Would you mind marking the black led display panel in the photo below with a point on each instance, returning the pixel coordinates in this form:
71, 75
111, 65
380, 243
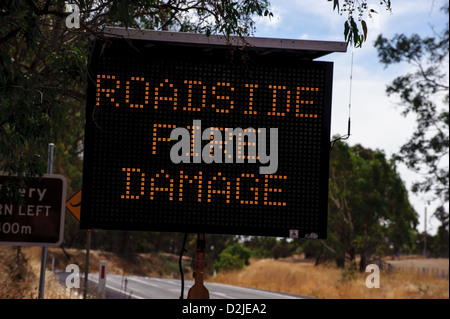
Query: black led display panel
140, 92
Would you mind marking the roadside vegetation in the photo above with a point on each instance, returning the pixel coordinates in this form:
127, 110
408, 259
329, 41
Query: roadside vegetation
296, 275
408, 277
19, 277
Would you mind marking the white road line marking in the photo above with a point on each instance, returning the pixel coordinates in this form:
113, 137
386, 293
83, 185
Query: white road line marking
144, 282
95, 280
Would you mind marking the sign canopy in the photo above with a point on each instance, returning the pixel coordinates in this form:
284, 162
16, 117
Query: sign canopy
207, 134
36, 216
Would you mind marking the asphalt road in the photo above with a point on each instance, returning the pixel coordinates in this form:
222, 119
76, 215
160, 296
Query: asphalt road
137, 287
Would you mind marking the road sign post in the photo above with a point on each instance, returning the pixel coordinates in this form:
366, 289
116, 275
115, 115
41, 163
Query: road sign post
86, 268
198, 290
73, 205
51, 149
102, 279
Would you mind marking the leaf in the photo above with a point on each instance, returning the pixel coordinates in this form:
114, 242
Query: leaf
336, 4
364, 27
355, 32
346, 30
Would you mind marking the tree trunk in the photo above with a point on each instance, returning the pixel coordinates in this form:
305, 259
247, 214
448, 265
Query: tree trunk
340, 261
363, 262
351, 252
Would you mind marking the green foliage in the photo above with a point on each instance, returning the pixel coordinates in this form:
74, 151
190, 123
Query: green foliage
424, 92
437, 245
169, 266
267, 247
349, 273
234, 256
43, 68
441, 240
40, 82
282, 249
369, 212
260, 246
352, 32
43, 77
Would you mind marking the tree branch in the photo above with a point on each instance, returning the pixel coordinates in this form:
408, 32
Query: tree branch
11, 34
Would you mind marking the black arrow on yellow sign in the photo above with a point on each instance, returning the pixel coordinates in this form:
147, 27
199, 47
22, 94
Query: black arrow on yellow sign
73, 205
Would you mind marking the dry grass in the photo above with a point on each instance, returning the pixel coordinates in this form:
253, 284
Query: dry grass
148, 264
20, 269
19, 277
297, 276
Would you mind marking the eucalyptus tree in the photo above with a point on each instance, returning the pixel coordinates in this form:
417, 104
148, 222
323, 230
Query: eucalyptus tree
424, 93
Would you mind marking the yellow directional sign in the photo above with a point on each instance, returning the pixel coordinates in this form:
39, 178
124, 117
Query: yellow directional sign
73, 205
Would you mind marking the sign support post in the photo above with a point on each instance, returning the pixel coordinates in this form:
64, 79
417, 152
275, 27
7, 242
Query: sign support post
86, 268
51, 148
198, 290
73, 205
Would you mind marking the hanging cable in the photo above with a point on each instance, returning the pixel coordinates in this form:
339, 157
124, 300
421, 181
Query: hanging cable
344, 137
181, 266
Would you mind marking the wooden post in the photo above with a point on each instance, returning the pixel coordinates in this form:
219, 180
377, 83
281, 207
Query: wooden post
198, 290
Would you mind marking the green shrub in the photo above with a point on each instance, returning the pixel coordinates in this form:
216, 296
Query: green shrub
233, 257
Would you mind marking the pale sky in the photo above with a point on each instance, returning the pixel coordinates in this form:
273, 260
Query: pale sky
376, 120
